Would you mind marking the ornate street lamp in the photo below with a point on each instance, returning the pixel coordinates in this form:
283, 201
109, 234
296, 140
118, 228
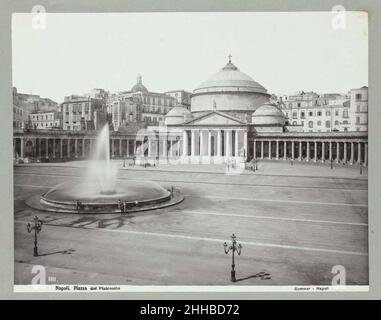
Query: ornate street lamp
234, 247
37, 228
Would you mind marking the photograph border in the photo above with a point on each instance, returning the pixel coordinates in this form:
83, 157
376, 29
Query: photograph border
6, 173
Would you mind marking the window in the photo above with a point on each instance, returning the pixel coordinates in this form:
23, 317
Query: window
328, 124
328, 113
319, 113
358, 108
357, 120
294, 123
345, 113
358, 96
294, 115
336, 122
310, 124
319, 123
302, 115
310, 113
345, 122
290, 105
336, 112
298, 104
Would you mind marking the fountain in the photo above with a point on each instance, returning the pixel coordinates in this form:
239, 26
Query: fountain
100, 191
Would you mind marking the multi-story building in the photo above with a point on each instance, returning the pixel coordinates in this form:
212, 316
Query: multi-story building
140, 105
182, 97
46, 120
321, 113
358, 109
83, 113
25, 104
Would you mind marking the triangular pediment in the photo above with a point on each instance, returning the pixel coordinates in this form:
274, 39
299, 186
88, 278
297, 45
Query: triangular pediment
215, 118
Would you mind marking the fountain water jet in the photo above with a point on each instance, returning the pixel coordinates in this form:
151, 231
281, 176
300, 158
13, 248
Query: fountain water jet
100, 190
101, 171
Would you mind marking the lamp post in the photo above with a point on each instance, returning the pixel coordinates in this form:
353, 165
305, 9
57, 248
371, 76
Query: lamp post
234, 247
37, 228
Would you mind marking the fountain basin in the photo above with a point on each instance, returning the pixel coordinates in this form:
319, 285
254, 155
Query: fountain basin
74, 197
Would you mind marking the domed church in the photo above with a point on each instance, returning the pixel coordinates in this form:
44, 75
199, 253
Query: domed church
224, 110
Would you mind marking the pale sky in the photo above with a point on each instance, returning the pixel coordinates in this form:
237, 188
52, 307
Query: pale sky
285, 52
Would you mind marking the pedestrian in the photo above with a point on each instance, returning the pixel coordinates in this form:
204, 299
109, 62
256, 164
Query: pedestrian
120, 206
125, 206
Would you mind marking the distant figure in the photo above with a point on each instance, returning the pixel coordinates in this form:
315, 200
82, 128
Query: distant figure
120, 205
172, 191
78, 205
125, 206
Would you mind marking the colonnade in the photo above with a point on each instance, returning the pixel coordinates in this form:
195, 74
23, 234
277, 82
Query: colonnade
213, 145
199, 146
342, 151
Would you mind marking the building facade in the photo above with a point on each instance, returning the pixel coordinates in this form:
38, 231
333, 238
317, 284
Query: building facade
83, 113
140, 105
46, 120
327, 112
182, 97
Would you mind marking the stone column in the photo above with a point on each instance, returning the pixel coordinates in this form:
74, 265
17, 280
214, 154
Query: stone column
47, 148
113, 147
192, 143
300, 150
277, 150
270, 147
345, 153
359, 152
285, 150
134, 153
39, 147
323, 151
21, 147
308, 151
227, 143
75, 148
337, 152
236, 154
128, 148
255, 149
120, 147
292, 150
315, 151
366, 154
165, 146
201, 144
262, 149
185, 143
245, 151
330, 151
61, 148
83, 147
54, 148
219, 143
209, 143
352, 153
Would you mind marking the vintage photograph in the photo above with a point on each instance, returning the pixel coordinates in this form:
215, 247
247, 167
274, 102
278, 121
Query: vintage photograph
225, 149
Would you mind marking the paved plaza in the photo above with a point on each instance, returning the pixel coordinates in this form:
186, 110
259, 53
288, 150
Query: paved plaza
295, 222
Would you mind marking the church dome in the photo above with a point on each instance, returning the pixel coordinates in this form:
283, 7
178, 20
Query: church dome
229, 78
177, 115
139, 87
230, 91
268, 114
